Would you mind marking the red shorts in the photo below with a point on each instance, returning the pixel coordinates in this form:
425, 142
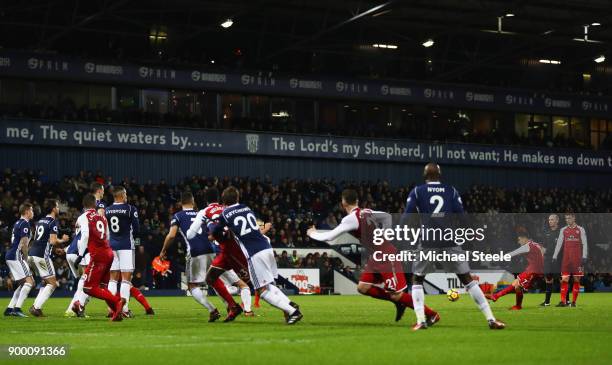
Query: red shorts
527, 278
98, 270
389, 274
572, 265
230, 262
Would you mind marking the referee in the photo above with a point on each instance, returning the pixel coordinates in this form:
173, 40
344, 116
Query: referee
549, 240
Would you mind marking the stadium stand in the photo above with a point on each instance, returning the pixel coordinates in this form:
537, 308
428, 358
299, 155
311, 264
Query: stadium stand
459, 132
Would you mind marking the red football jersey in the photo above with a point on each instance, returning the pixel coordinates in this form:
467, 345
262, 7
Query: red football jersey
227, 246
97, 228
572, 241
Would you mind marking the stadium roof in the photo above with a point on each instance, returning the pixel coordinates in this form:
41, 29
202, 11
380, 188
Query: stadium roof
496, 42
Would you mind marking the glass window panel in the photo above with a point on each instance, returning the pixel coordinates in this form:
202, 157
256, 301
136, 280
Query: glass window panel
560, 127
595, 139
578, 130
521, 124
231, 108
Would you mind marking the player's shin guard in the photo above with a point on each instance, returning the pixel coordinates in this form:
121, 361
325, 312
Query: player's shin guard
245, 298
43, 295
137, 294
124, 291
277, 299
575, 290
201, 298
479, 298
564, 289
23, 294
418, 299
16, 293
221, 289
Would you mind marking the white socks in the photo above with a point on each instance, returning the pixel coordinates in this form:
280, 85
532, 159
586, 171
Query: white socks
277, 299
480, 300
125, 293
13, 301
201, 297
23, 294
43, 295
418, 300
245, 298
81, 296
112, 286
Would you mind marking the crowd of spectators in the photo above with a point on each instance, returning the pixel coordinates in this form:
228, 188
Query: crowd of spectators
291, 205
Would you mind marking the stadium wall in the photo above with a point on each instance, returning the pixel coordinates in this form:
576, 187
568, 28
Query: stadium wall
146, 165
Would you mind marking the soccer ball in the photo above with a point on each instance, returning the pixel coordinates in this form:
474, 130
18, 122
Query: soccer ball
452, 295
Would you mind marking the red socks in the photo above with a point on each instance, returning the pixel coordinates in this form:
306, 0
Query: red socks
406, 299
507, 290
256, 299
104, 294
519, 297
575, 289
223, 293
564, 287
137, 294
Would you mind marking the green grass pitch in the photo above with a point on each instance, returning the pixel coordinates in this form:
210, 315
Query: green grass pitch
335, 330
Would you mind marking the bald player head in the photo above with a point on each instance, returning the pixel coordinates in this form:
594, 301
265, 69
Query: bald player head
432, 172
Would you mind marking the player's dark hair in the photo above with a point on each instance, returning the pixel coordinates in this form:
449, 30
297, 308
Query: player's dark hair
118, 190
522, 232
187, 198
212, 195
349, 196
23, 208
95, 186
230, 195
89, 201
50, 204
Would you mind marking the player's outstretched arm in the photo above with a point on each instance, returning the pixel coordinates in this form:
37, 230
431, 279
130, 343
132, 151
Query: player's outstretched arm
196, 225
519, 251
348, 223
